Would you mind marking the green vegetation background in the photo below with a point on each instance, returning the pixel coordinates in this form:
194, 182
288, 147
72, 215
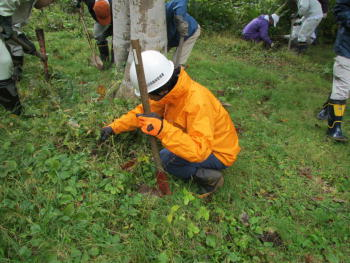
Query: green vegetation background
65, 199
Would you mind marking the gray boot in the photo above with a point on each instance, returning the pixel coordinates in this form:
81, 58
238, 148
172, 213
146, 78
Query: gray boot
209, 181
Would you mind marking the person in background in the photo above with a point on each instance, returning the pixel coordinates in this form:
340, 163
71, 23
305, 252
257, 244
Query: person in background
334, 108
13, 15
310, 12
101, 12
181, 24
197, 133
257, 30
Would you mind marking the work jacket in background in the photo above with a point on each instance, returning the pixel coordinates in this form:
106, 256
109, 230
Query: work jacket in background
19, 10
257, 30
178, 8
90, 4
342, 15
195, 123
309, 8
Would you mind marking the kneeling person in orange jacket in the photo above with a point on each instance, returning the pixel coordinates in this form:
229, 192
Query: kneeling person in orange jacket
197, 133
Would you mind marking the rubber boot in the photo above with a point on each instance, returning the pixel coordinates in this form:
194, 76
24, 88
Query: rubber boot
9, 97
104, 51
336, 109
301, 48
17, 67
209, 181
323, 114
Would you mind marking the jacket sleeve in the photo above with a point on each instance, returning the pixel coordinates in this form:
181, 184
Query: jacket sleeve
303, 7
264, 34
129, 121
8, 7
194, 144
342, 13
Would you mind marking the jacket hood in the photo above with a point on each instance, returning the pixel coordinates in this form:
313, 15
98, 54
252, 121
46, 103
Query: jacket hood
179, 90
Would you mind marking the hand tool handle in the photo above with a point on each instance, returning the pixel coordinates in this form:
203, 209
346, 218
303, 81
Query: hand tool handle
161, 176
41, 39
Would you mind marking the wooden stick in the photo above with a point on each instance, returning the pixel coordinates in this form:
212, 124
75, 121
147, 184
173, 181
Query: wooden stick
162, 183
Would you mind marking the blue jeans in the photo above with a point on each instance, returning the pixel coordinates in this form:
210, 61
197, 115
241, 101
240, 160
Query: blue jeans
183, 169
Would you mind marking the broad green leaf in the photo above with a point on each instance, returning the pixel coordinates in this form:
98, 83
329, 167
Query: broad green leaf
211, 241
203, 212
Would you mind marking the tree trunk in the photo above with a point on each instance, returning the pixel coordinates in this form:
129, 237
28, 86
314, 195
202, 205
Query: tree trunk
121, 32
148, 24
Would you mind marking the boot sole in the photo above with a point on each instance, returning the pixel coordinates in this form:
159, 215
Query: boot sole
219, 184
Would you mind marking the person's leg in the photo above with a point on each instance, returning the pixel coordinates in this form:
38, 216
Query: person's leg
307, 29
100, 34
337, 101
8, 92
184, 169
206, 174
188, 46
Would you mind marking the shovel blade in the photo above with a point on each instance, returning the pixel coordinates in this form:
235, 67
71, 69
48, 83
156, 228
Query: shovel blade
163, 184
96, 62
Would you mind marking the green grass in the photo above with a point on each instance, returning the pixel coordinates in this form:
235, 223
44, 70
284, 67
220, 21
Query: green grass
65, 199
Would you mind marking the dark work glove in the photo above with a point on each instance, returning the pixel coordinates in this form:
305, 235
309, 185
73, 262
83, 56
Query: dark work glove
6, 25
181, 26
105, 133
31, 47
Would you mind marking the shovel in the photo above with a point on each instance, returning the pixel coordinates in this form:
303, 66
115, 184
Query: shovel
41, 39
161, 176
94, 60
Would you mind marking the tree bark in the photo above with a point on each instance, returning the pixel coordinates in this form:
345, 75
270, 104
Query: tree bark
147, 23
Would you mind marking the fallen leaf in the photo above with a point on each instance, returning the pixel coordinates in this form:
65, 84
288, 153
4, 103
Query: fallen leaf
101, 90
129, 164
305, 171
317, 198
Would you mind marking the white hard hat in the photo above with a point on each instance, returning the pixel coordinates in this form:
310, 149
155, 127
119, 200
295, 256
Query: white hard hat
275, 18
158, 70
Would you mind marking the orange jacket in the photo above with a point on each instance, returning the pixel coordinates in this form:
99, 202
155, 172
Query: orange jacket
195, 123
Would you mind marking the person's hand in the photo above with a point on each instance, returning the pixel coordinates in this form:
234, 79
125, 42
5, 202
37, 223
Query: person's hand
6, 31
105, 133
30, 49
151, 123
181, 26
272, 45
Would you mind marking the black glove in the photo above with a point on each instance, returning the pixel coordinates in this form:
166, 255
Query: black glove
105, 133
181, 26
31, 47
6, 25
